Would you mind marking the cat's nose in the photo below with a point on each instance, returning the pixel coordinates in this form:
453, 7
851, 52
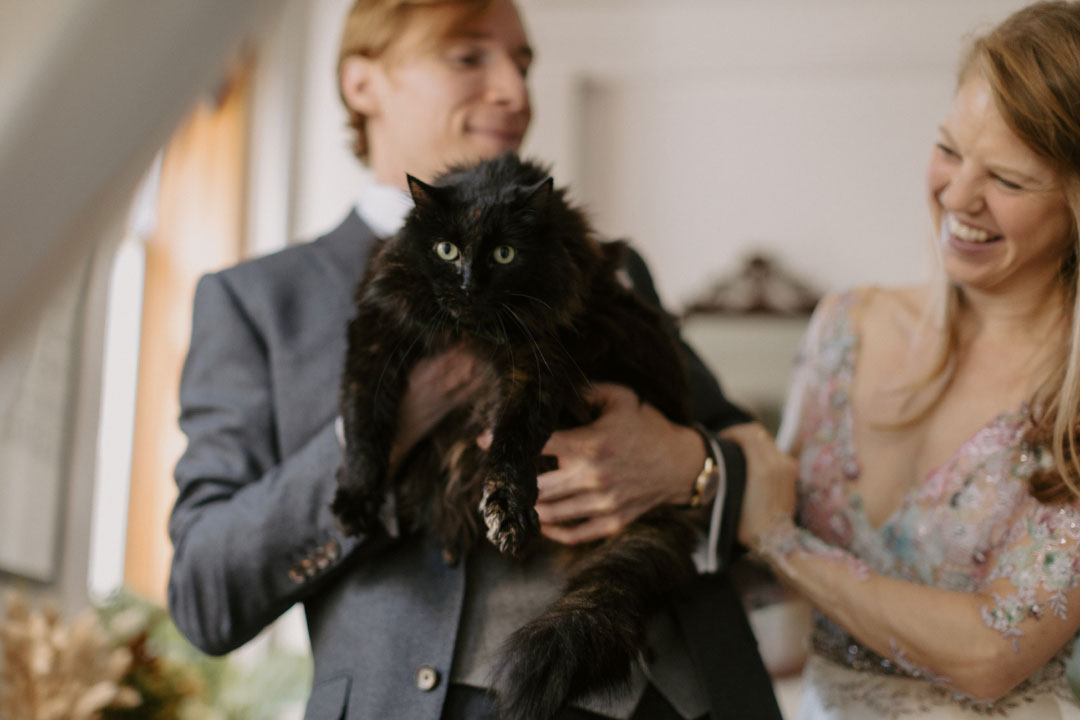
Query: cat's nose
466, 279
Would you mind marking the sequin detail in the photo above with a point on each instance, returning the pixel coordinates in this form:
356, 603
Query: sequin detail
1042, 563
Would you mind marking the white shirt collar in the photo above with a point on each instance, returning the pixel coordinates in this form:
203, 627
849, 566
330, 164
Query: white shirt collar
382, 207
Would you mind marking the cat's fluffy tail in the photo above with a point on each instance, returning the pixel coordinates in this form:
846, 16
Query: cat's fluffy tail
588, 638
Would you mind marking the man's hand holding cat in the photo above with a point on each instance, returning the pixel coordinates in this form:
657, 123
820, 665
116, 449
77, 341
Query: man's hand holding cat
626, 462
437, 385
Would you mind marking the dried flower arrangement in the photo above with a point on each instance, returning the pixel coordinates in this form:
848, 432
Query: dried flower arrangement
53, 671
125, 660
171, 679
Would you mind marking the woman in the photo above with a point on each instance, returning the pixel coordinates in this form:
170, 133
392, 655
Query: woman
935, 427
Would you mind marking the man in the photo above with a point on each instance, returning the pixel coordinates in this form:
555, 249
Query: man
395, 632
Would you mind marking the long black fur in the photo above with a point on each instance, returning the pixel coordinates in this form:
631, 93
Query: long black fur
546, 324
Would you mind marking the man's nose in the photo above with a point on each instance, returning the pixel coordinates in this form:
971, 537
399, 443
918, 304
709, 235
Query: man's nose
507, 86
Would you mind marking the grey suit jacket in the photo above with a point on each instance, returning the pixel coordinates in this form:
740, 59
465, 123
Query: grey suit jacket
253, 534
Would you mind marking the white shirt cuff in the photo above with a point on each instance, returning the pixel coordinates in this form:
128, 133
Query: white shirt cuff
705, 555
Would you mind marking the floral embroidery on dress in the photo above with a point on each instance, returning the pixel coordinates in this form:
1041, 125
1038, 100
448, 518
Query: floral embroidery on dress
969, 523
1050, 562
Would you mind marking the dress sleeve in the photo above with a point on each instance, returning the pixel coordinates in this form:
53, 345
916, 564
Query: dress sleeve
815, 361
1030, 599
1034, 578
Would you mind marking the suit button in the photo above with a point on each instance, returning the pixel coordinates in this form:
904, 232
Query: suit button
427, 678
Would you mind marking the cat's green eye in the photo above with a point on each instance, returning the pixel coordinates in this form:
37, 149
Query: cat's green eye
504, 254
447, 251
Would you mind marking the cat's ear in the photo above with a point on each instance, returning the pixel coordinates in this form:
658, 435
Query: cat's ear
423, 195
539, 195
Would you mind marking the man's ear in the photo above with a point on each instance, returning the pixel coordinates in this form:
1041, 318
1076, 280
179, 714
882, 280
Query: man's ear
356, 82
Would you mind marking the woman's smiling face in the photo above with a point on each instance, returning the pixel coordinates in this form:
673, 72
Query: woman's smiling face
1003, 218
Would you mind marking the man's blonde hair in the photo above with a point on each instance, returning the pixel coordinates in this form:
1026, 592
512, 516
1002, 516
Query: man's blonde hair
372, 27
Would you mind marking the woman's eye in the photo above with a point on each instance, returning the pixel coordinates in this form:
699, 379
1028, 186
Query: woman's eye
448, 251
1007, 184
504, 254
947, 150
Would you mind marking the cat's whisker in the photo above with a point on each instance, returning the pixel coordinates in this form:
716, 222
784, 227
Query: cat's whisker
532, 339
538, 355
446, 321
505, 332
506, 337
386, 366
441, 320
585, 378
432, 333
539, 376
530, 297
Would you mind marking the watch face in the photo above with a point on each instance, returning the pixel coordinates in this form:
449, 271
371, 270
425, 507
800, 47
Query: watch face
705, 483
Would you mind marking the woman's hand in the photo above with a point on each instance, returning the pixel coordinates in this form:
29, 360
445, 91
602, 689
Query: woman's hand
611, 471
770, 482
436, 386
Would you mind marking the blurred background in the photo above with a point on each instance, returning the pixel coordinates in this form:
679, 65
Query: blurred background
145, 143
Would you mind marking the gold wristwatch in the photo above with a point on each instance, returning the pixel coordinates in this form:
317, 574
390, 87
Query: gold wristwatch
708, 480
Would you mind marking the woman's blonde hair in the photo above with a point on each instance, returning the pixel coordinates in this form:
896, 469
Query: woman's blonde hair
372, 26
1031, 62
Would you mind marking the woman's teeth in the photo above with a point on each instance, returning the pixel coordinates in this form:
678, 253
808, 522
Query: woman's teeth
966, 232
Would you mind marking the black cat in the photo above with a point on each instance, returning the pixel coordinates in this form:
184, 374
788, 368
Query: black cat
495, 257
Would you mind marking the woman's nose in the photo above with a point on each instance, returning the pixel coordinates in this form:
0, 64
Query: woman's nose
963, 192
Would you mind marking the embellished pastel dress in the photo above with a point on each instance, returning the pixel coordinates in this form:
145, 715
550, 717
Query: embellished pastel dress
969, 523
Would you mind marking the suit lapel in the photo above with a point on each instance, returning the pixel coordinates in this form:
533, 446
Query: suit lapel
344, 255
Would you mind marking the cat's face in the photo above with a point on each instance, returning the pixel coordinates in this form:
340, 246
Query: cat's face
492, 260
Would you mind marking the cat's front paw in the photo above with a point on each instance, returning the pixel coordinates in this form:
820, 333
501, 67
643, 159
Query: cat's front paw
356, 511
511, 521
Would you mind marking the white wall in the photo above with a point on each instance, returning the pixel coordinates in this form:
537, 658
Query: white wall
88, 93
703, 129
